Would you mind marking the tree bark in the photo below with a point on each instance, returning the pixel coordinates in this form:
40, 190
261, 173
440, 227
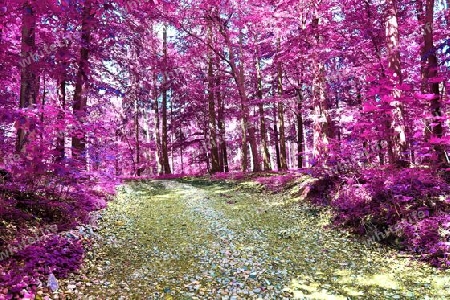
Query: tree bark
300, 140
275, 134
137, 136
430, 71
61, 139
262, 118
249, 126
165, 156
158, 153
181, 150
221, 121
212, 124
29, 86
322, 123
246, 127
80, 97
282, 138
397, 143
447, 12
157, 124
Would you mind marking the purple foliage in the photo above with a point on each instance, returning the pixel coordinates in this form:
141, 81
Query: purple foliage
408, 199
30, 266
35, 199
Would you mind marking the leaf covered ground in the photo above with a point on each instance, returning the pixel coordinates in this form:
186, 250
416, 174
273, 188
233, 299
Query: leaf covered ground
197, 239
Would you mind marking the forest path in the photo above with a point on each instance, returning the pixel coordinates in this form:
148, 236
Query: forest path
204, 240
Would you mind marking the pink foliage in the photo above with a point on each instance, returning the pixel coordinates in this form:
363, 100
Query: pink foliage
409, 200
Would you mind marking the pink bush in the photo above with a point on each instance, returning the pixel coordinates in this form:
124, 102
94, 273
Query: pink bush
408, 199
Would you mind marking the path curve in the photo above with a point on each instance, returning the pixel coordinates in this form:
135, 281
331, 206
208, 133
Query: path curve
203, 240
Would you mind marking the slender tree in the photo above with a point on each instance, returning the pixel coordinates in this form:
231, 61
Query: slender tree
80, 93
29, 84
164, 139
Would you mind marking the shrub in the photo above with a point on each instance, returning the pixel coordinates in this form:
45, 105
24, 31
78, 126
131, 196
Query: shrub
33, 264
411, 200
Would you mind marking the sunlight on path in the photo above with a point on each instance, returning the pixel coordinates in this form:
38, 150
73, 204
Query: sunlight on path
199, 240
240, 268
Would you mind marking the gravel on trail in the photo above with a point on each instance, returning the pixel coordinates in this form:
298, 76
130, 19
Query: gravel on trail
205, 240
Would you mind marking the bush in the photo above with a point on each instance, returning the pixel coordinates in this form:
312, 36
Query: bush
410, 200
33, 264
46, 194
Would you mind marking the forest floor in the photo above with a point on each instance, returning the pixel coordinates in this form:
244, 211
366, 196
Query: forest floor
197, 239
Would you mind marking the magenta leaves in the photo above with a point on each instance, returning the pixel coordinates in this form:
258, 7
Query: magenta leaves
33, 264
409, 200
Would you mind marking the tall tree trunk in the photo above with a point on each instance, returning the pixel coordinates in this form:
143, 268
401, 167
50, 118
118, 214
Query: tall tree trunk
212, 124
172, 139
300, 141
322, 122
2, 4
246, 126
43, 102
116, 156
155, 106
137, 136
447, 12
80, 97
425, 28
397, 143
262, 118
158, 153
181, 149
275, 134
221, 121
430, 71
300, 132
165, 155
61, 139
281, 120
29, 86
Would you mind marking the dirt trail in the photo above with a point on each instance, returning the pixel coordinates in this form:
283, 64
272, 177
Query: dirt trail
203, 240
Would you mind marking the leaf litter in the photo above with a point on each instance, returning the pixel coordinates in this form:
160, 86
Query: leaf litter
180, 240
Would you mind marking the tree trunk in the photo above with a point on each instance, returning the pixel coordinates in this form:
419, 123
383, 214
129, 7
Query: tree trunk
397, 144
61, 139
116, 157
429, 69
181, 150
447, 12
29, 86
158, 153
275, 134
43, 102
300, 141
137, 133
262, 118
212, 124
221, 121
322, 122
246, 127
80, 97
282, 139
165, 155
